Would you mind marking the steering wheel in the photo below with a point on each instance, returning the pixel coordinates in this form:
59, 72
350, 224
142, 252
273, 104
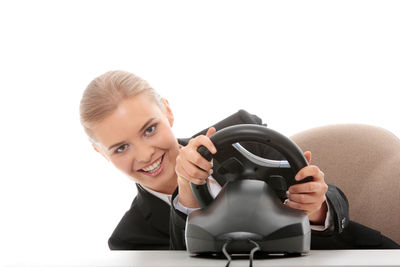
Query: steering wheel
233, 161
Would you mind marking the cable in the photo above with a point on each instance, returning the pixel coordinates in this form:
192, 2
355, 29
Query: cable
226, 253
253, 251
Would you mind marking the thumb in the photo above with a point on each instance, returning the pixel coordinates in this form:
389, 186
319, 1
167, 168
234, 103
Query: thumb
307, 155
210, 131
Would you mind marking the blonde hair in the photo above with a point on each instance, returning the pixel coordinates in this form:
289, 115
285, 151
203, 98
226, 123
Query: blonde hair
103, 95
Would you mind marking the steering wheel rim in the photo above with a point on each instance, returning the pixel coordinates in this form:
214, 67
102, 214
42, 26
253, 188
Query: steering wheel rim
250, 133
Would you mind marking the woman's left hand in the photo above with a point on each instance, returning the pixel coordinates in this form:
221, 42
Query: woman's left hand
309, 196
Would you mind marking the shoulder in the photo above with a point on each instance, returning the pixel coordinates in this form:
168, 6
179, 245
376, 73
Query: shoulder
239, 117
143, 225
140, 210
132, 221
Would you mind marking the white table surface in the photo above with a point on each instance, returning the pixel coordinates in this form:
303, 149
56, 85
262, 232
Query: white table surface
315, 258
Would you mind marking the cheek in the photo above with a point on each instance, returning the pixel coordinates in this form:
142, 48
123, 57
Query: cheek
122, 163
165, 139
168, 142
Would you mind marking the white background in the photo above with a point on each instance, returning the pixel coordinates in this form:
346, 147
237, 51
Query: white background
296, 64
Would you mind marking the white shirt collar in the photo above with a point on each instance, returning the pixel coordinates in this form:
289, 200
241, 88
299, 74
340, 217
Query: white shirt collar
165, 197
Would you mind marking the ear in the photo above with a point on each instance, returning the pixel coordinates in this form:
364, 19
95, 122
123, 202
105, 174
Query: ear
168, 111
99, 150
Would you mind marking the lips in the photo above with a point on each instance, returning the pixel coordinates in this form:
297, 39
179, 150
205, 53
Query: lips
154, 168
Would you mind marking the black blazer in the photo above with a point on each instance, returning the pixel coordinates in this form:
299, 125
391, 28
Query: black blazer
145, 226
150, 223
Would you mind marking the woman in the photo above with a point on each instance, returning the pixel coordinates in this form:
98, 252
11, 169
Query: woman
130, 125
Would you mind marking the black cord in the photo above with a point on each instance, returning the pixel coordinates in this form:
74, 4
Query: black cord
226, 253
257, 247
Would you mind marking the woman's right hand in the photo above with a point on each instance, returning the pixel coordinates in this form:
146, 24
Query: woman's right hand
192, 167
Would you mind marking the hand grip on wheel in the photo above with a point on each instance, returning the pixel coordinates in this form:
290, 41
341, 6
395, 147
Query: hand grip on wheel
205, 153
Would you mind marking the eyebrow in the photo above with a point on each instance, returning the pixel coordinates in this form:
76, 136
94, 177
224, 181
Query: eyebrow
141, 129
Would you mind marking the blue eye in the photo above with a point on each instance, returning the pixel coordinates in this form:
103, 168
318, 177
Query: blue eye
150, 130
121, 148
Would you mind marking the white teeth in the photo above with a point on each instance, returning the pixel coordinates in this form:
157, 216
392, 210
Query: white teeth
154, 166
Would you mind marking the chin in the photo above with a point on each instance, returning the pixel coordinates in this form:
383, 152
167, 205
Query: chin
161, 183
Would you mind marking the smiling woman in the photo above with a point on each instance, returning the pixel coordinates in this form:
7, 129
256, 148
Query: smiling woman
295, 64
130, 125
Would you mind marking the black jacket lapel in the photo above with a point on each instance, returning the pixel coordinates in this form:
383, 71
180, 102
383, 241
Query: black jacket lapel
155, 211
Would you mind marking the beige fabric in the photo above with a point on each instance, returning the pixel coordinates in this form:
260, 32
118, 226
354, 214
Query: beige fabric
364, 162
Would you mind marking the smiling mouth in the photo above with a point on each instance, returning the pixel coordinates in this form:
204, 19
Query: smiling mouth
154, 168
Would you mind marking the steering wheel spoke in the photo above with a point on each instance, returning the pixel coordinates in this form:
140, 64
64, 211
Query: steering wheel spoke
234, 161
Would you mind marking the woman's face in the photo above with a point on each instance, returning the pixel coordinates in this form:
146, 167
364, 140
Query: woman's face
137, 138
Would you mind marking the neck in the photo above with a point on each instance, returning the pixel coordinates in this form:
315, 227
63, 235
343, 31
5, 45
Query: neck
168, 188
172, 185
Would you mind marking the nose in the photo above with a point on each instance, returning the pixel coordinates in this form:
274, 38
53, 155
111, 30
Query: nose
144, 153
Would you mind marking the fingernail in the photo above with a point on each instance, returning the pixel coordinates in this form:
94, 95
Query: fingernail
210, 171
287, 193
297, 177
286, 201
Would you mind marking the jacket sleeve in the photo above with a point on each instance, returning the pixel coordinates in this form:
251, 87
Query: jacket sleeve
177, 227
338, 201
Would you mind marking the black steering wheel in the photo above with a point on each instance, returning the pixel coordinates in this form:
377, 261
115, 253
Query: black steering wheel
236, 162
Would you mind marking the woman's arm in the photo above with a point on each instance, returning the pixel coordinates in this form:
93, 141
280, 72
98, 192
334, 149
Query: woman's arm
191, 167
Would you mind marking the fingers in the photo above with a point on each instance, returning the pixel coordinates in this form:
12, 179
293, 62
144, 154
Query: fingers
306, 201
190, 165
303, 198
191, 155
210, 131
309, 187
307, 207
307, 155
309, 196
191, 172
312, 171
204, 140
